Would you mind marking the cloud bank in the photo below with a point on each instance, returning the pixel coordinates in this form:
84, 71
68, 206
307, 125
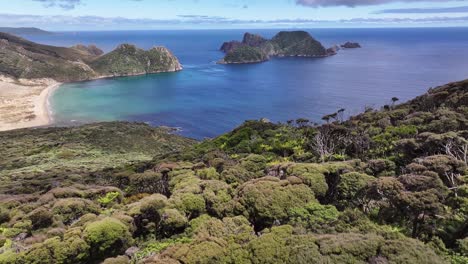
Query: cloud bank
189, 21
354, 3
436, 10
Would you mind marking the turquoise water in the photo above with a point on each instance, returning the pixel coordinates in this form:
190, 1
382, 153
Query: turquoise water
207, 99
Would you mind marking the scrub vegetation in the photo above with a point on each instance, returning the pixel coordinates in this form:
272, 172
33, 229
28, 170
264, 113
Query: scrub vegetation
385, 186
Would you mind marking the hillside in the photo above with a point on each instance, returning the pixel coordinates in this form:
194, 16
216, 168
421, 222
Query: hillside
283, 44
24, 31
20, 58
386, 186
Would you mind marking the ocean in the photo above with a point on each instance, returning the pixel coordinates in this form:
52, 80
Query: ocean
206, 99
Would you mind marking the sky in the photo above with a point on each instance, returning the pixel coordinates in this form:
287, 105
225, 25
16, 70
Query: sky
72, 15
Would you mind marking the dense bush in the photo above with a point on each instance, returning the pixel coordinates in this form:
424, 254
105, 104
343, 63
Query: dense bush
107, 237
385, 186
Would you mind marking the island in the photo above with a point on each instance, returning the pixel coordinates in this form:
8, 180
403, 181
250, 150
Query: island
255, 48
351, 45
29, 72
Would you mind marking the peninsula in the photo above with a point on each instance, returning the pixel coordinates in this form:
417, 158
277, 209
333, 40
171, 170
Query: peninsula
24, 31
29, 72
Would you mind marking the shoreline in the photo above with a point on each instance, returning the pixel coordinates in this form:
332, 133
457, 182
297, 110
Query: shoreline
44, 97
25, 103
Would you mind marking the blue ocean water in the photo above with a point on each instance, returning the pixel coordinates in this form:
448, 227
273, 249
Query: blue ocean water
206, 99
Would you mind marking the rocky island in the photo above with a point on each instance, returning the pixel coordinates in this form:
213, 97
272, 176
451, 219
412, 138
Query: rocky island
255, 48
351, 45
30, 71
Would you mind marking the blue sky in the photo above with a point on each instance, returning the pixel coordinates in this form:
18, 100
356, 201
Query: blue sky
202, 14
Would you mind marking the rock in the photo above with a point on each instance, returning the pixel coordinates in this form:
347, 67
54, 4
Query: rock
21, 237
351, 45
333, 50
130, 252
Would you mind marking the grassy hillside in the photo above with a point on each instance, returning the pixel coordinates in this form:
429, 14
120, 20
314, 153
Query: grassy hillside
385, 186
20, 58
36, 159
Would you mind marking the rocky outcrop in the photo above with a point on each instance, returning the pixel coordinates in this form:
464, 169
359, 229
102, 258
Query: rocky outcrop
23, 59
251, 40
284, 44
230, 46
333, 50
351, 45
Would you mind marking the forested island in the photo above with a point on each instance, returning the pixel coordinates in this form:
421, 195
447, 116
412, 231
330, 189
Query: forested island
254, 48
386, 186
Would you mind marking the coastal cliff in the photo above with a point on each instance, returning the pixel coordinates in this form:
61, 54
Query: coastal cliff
255, 48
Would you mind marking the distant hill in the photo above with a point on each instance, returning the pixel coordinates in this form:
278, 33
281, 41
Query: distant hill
24, 31
20, 58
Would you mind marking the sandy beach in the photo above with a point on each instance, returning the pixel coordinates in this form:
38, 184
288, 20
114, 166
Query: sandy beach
24, 103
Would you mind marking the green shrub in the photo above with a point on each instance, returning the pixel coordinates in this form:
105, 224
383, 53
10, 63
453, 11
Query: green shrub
71, 209
109, 198
152, 248
41, 218
351, 188
268, 199
463, 246
107, 237
191, 204
208, 174
172, 222
4, 215
117, 260
314, 216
